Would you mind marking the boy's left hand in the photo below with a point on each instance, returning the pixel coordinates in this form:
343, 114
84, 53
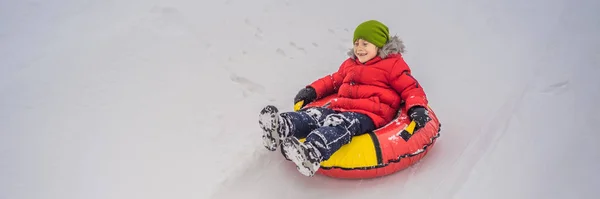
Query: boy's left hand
420, 115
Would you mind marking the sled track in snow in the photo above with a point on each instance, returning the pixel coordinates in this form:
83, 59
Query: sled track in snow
482, 144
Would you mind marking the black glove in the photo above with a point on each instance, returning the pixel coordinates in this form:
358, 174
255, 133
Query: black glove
307, 94
420, 115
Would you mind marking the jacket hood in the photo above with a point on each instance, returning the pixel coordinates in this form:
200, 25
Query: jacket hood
394, 46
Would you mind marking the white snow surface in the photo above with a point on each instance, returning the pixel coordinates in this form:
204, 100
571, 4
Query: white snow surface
160, 99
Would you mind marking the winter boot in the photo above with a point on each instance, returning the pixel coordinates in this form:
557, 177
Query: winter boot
305, 155
274, 127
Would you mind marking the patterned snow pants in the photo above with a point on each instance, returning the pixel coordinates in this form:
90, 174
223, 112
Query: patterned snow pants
327, 129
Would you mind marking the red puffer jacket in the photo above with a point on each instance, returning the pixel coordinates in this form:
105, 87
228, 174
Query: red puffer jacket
375, 88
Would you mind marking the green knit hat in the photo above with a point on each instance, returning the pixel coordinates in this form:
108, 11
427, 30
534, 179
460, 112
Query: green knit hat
373, 31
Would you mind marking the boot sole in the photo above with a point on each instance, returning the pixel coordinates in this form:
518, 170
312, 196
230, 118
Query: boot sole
269, 124
297, 153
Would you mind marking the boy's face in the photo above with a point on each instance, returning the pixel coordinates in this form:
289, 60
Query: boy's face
364, 50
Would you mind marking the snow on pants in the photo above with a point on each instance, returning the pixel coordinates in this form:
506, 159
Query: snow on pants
327, 129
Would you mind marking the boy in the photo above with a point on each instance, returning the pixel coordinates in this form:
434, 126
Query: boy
371, 85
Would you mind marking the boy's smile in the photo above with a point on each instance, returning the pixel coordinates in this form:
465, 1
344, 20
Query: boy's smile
364, 50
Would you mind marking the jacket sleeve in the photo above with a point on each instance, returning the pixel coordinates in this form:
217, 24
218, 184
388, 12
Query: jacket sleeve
329, 84
407, 86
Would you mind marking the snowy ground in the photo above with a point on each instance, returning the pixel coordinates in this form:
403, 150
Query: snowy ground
159, 99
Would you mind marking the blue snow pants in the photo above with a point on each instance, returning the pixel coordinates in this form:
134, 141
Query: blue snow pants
327, 129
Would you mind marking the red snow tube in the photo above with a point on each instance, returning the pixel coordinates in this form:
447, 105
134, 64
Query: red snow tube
383, 151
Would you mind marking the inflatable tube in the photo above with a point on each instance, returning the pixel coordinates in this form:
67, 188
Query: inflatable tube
383, 151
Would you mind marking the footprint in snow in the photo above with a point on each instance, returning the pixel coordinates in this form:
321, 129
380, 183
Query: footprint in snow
557, 88
247, 85
280, 51
297, 47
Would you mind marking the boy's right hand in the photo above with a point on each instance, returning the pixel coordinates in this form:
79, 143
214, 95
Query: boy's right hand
307, 95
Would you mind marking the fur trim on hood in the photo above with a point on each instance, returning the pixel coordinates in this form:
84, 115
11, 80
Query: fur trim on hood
393, 46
